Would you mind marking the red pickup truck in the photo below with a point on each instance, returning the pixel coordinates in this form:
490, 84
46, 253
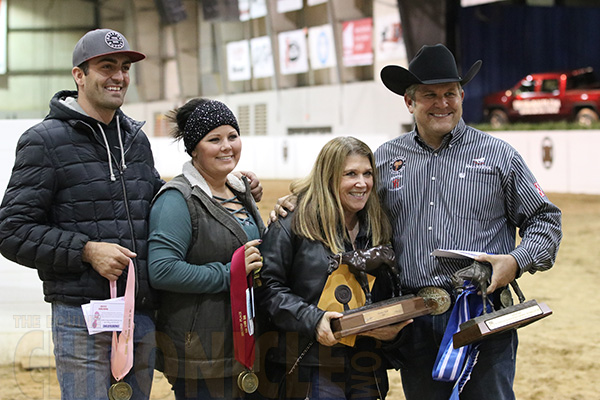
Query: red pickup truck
549, 96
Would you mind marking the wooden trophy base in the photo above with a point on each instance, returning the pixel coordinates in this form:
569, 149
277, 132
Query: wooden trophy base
512, 317
382, 313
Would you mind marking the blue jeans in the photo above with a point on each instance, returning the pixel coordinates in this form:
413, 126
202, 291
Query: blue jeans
492, 376
83, 360
206, 389
358, 384
360, 378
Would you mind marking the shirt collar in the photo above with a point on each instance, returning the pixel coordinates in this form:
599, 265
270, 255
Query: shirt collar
451, 138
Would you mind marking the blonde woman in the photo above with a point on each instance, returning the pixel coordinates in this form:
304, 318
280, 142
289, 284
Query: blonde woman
337, 211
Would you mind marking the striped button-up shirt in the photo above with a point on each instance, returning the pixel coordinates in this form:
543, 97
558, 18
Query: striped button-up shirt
472, 193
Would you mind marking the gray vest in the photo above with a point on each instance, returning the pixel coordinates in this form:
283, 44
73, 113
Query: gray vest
194, 331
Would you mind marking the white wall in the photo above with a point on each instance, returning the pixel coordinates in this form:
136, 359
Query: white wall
573, 169
359, 108
24, 317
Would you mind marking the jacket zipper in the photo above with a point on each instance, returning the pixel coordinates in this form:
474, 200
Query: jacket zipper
129, 222
188, 334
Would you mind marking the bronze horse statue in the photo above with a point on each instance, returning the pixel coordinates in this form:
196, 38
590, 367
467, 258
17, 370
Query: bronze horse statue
480, 274
360, 262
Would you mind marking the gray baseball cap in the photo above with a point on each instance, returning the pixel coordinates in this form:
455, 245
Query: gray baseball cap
100, 42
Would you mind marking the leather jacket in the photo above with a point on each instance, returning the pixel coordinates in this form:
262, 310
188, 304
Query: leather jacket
292, 278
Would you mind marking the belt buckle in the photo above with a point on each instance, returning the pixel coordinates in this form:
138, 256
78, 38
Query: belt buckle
436, 299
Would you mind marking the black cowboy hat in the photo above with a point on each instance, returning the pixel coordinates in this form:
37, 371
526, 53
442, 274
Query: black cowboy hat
431, 65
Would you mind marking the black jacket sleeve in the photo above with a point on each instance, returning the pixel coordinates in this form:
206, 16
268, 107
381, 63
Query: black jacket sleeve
26, 236
286, 276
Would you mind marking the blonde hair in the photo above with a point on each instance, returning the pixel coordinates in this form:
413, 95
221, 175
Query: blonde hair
319, 213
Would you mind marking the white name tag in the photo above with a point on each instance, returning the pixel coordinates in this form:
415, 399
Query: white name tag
104, 315
250, 310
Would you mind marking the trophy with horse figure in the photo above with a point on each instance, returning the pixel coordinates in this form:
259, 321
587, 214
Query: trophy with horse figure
498, 315
349, 291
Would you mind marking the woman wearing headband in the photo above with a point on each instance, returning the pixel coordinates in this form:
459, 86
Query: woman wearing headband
197, 221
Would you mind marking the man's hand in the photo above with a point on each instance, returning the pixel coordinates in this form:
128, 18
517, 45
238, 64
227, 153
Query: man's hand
504, 269
387, 333
255, 187
284, 205
108, 259
324, 334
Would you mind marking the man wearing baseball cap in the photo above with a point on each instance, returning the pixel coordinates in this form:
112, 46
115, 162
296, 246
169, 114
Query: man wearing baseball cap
447, 185
76, 210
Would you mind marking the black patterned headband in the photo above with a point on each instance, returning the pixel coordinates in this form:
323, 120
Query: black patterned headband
205, 118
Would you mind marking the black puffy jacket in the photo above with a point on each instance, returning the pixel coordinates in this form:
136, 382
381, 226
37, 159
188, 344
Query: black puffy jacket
61, 195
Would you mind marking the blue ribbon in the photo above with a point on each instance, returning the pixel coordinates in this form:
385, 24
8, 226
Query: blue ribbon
450, 363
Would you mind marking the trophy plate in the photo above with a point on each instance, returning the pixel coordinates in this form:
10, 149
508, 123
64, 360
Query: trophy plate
512, 317
377, 315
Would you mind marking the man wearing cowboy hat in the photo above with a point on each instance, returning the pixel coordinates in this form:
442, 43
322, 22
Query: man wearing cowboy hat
447, 185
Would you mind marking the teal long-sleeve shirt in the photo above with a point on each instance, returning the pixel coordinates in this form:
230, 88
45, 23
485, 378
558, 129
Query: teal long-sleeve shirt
168, 244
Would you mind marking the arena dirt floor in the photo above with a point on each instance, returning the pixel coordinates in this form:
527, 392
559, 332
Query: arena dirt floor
558, 358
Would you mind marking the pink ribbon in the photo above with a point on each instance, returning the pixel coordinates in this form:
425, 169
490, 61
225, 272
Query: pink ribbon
121, 357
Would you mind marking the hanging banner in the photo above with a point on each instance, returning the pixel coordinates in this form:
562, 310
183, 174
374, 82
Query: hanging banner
258, 8
244, 6
357, 37
238, 61
262, 57
293, 58
251, 9
284, 6
321, 47
3, 38
390, 40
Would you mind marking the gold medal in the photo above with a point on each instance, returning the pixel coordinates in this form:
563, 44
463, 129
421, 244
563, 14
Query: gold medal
436, 299
120, 391
247, 381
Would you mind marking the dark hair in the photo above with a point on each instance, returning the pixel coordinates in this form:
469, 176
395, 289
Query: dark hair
85, 67
180, 115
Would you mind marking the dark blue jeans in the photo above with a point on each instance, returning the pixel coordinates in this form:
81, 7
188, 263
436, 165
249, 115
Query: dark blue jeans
492, 376
361, 384
206, 389
83, 360
362, 377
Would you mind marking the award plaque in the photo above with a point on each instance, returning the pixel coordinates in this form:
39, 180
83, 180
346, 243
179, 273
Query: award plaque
490, 323
377, 315
499, 321
348, 291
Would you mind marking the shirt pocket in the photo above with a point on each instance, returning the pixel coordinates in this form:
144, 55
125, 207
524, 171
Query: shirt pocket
478, 196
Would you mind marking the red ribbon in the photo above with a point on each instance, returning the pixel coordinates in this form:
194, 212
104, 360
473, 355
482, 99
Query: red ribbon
241, 299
